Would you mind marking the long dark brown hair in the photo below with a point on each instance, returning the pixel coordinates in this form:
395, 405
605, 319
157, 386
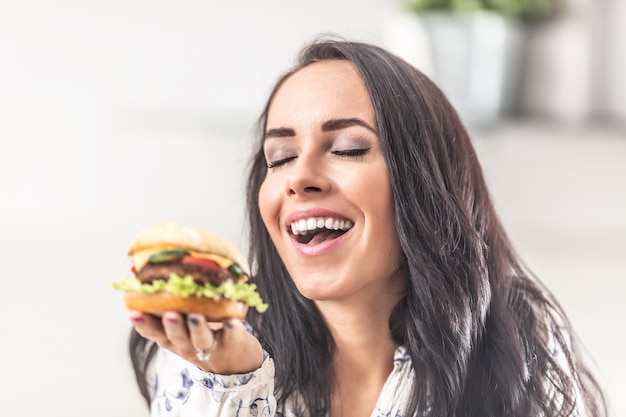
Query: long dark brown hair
486, 338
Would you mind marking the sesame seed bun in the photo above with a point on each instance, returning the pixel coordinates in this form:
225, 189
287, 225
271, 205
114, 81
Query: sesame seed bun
169, 235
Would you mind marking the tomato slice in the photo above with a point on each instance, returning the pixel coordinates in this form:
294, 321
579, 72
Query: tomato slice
206, 263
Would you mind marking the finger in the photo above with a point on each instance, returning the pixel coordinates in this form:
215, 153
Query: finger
215, 326
236, 334
234, 331
176, 331
200, 333
149, 327
237, 350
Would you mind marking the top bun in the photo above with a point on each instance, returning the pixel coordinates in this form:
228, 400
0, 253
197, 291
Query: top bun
169, 235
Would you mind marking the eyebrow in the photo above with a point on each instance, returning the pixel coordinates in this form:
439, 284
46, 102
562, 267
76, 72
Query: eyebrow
327, 126
337, 124
281, 132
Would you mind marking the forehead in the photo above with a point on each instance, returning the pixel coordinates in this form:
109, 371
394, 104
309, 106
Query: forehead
327, 88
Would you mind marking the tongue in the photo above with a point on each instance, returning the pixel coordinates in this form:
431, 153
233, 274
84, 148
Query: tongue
325, 235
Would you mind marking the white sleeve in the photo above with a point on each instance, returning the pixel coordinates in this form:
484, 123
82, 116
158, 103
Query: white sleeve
169, 382
179, 389
242, 395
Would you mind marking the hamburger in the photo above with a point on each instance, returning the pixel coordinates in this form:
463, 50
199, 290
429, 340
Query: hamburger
188, 270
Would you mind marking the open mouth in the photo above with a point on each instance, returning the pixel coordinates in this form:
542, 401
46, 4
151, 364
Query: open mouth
313, 231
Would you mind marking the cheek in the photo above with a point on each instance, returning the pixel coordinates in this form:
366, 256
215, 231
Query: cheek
382, 212
373, 191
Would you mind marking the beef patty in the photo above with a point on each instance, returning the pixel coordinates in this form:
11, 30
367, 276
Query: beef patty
200, 274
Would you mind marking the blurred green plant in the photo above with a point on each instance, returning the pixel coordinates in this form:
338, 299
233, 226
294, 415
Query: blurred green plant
520, 9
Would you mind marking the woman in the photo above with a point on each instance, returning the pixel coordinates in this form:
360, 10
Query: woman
393, 288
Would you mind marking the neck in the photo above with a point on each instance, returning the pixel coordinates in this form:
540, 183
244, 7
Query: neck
360, 328
359, 323
364, 353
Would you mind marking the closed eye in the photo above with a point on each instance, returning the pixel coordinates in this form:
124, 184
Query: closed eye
352, 152
279, 162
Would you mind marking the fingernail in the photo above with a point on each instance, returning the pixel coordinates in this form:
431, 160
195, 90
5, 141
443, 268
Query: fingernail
172, 319
193, 321
136, 318
228, 325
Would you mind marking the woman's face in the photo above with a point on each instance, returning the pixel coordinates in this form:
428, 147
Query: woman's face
326, 200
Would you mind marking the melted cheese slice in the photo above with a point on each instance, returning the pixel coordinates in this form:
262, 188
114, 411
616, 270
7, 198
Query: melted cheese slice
140, 258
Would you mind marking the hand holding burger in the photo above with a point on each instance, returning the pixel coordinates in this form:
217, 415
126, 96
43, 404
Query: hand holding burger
185, 278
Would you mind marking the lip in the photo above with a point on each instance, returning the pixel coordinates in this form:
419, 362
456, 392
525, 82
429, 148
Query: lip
324, 247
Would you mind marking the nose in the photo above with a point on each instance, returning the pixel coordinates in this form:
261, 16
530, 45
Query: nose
308, 177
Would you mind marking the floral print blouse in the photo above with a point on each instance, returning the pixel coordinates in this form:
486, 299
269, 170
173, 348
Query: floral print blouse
180, 389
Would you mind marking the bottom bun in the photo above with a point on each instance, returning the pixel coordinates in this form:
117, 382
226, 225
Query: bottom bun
159, 303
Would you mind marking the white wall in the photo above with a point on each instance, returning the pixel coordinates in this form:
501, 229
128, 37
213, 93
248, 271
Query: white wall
115, 114
615, 82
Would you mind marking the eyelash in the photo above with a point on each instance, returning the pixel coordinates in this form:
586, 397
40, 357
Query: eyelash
348, 153
352, 152
279, 162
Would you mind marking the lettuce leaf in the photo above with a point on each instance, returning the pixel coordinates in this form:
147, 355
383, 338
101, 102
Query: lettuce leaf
187, 287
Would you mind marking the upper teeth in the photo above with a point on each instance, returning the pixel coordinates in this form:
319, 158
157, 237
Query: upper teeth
304, 225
